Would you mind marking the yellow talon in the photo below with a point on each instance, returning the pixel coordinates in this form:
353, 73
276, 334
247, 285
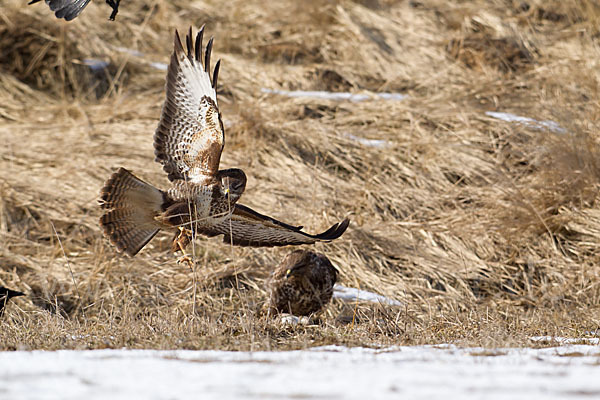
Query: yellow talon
187, 260
180, 243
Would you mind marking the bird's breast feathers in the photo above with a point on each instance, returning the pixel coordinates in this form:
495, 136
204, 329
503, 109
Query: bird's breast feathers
206, 202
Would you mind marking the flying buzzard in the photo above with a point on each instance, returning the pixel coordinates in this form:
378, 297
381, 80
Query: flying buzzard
302, 284
5, 295
70, 9
188, 143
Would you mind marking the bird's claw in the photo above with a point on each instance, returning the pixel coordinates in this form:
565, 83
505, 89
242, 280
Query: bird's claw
185, 259
180, 242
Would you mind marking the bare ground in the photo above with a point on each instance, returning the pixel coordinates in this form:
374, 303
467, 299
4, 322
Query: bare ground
485, 230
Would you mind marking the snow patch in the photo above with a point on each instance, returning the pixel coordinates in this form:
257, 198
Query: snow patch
159, 65
352, 294
156, 65
381, 144
95, 64
530, 122
127, 50
420, 372
323, 95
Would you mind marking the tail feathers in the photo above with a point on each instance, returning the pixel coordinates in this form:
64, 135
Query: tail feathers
132, 205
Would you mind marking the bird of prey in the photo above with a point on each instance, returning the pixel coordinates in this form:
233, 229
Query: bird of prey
302, 284
202, 199
70, 9
5, 295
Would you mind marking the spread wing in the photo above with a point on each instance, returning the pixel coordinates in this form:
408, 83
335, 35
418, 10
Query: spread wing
189, 139
67, 9
250, 228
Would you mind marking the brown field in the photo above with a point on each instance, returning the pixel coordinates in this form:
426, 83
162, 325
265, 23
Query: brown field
486, 230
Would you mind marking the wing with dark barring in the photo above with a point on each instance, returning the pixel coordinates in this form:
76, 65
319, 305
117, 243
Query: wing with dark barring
247, 227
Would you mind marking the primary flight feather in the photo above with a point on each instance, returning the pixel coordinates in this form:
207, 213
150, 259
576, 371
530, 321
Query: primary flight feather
70, 9
202, 199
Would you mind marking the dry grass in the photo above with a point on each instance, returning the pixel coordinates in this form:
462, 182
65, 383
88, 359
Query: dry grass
487, 231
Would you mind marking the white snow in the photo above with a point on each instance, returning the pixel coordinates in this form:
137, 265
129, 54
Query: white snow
333, 372
335, 95
127, 50
95, 64
159, 65
154, 64
381, 144
352, 294
532, 123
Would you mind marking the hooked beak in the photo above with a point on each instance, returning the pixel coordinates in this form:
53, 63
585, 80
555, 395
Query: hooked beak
336, 267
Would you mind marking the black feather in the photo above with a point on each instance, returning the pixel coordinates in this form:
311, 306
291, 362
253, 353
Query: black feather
207, 55
6, 294
199, 43
189, 44
216, 75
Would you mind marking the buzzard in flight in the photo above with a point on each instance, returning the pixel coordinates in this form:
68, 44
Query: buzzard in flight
70, 9
5, 295
302, 284
188, 143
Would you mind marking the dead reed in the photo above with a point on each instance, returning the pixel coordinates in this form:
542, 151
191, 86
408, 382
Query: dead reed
486, 230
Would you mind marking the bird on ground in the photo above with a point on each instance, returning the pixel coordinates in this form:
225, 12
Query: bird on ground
203, 199
5, 295
70, 9
302, 284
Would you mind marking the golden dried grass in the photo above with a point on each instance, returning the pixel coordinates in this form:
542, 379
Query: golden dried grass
486, 230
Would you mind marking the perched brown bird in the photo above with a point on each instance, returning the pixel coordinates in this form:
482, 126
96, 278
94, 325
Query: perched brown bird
188, 143
5, 295
302, 284
70, 9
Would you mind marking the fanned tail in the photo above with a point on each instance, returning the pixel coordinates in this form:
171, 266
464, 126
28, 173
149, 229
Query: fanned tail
132, 205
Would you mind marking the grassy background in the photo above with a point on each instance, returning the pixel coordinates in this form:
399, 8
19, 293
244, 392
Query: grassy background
486, 231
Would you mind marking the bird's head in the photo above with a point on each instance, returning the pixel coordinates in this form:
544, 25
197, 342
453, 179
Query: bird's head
298, 261
302, 261
233, 183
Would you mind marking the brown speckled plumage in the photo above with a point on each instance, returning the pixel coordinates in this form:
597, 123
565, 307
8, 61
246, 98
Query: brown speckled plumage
302, 284
188, 143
